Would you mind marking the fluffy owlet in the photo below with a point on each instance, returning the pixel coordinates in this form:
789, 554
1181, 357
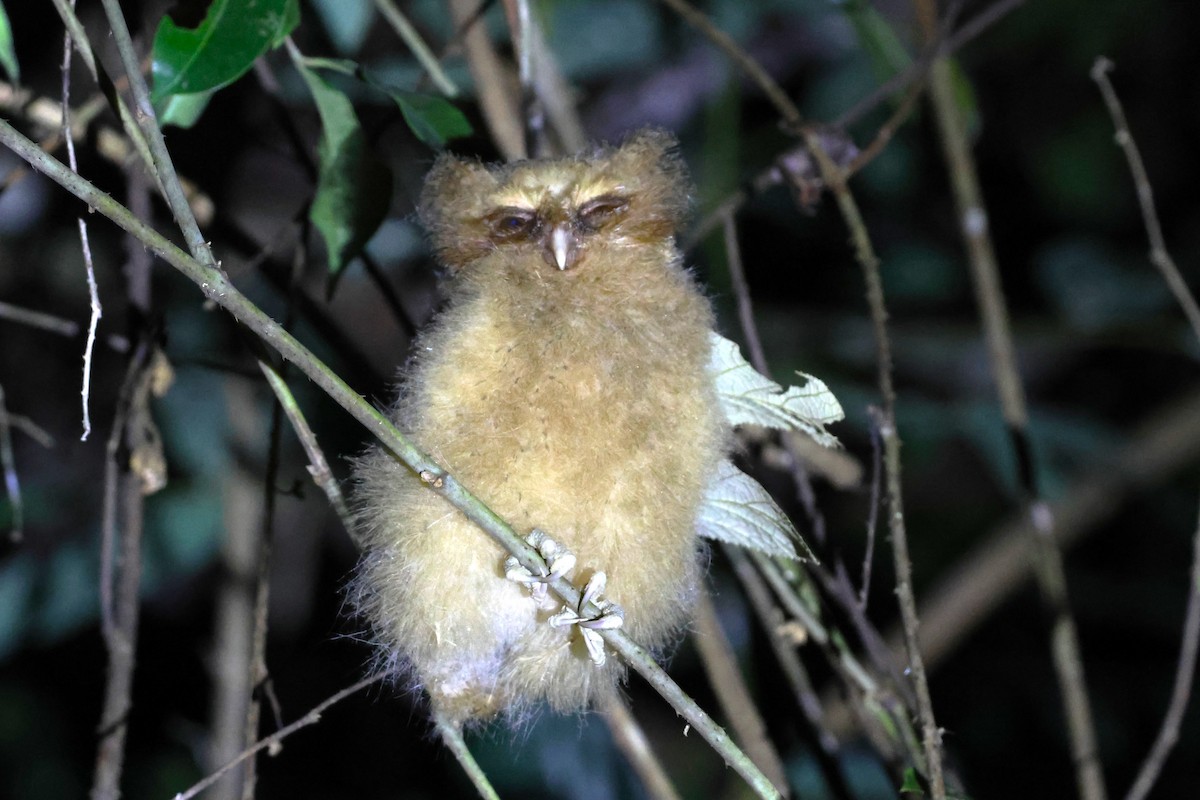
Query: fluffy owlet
565, 384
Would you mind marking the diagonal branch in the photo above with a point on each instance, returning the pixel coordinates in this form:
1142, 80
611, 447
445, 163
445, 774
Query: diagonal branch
217, 288
1185, 669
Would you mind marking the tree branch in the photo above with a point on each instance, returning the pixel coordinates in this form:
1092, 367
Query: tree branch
218, 289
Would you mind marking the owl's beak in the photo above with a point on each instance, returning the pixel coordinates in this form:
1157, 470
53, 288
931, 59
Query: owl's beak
562, 250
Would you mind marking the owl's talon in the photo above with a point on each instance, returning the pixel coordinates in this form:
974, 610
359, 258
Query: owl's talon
558, 558
611, 617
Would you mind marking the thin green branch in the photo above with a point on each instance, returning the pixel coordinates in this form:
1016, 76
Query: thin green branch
164, 168
79, 36
453, 739
318, 465
218, 289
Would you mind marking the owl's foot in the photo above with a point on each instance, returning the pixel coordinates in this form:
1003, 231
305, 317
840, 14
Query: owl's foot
559, 561
608, 617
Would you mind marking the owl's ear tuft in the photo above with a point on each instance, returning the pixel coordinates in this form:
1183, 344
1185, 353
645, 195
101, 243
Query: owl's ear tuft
456, 190
661, 180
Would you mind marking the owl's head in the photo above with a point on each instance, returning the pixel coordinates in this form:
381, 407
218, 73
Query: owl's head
557, 210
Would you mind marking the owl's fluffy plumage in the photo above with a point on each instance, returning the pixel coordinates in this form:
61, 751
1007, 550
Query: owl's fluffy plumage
565, 384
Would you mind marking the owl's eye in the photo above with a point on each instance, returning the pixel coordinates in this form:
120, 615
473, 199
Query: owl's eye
509, 223
599, 210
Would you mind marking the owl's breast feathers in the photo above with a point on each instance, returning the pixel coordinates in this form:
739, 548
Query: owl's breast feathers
542, 405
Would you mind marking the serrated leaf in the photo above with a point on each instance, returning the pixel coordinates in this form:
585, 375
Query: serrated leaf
8, 53
749, 398
354, 186
737, 510
218, 51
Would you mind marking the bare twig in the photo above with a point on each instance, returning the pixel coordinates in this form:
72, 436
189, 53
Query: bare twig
753, 70
273, 741
1167, 441
66, 11
908, 80
405, 30
795, 456
93, 293
216, 287
12, 486
1159, 256
915, 72
492, 81
911, 94
1185, 672
452, 737
30, 428
720, 664
993, 311
1185, 668
121, 573
741, 291
864, 590
774, 624
259, 674
231, 660
546, 96
869, 262
318, 465
39, 319
147, 121
632, 742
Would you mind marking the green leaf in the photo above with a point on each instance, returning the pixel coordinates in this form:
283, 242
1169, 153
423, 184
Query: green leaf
8, 53
887, 53
221, 48
434, 120
183, 110
748, 398
354, 187
912, 784
737, 510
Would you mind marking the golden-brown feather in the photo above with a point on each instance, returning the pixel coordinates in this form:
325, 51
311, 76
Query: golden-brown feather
566, 385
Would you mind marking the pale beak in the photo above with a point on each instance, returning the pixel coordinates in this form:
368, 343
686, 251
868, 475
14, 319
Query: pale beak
561, 249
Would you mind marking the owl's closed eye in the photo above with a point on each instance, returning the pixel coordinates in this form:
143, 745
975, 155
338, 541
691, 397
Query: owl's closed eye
563, 209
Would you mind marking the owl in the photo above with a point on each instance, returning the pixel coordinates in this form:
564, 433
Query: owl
565, 384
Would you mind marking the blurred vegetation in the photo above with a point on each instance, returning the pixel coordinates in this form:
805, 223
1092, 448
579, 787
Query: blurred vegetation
1102, 348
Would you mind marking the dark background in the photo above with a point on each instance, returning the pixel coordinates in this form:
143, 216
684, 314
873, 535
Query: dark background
1103, 350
